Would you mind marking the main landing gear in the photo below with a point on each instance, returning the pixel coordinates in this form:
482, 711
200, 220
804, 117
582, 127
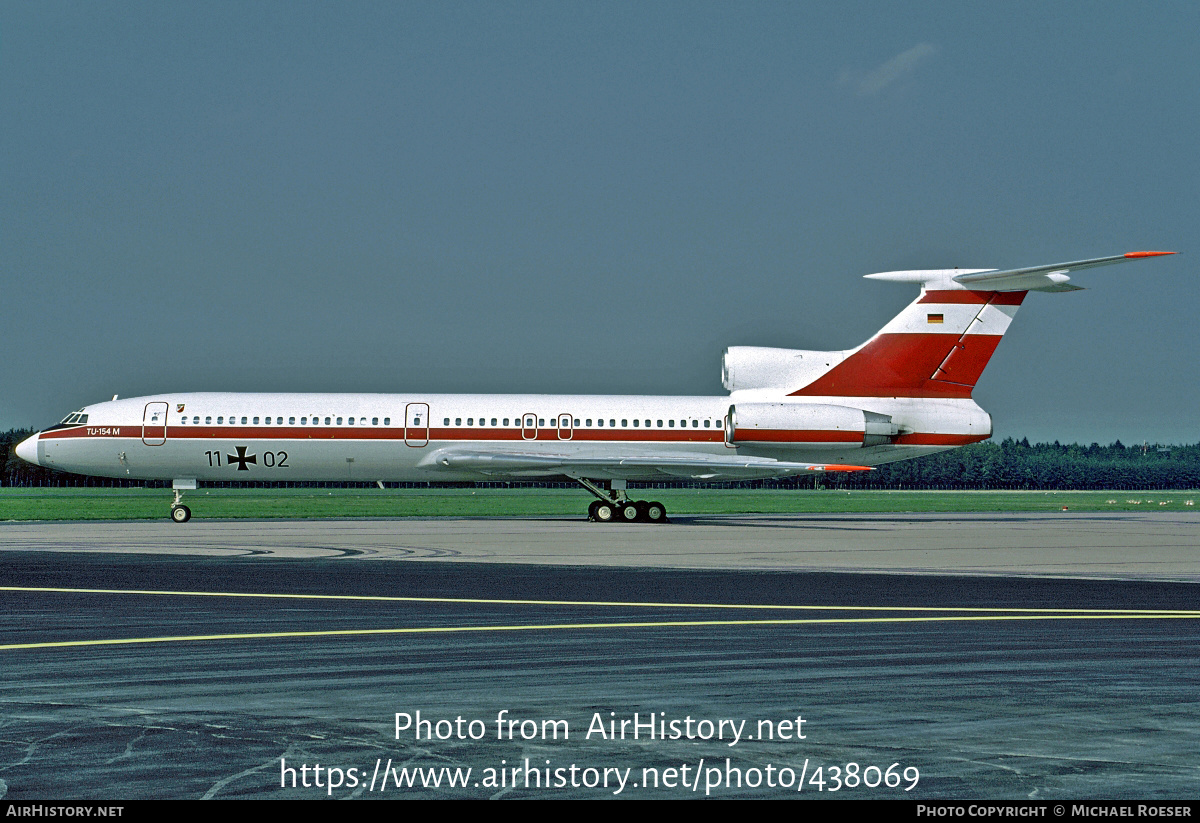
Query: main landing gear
615, 506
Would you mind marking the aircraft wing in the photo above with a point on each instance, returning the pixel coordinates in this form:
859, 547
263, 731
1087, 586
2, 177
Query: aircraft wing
694, 466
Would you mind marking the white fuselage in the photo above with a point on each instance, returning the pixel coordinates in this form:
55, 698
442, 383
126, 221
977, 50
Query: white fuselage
394, 437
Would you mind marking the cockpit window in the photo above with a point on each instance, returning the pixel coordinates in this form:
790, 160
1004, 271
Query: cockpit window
74, 419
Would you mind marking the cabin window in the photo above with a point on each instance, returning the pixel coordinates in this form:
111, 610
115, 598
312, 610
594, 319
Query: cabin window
339, 420
470, 421
375, 421
208, 421
446, 422
624, 424
588, 422
243, 421
493, 421
220, 420
387, 421
636, 422
458, 421
256, 421
327, 421
541, 421
706, 422
303, 421
506, 421
575, 422
291, 421
350, 421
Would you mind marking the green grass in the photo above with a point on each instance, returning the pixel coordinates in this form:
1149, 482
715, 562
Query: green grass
153, 504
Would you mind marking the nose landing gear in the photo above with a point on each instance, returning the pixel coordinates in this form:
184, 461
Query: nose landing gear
179, 512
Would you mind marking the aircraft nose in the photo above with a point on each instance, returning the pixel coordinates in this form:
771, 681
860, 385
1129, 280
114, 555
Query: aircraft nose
27, 450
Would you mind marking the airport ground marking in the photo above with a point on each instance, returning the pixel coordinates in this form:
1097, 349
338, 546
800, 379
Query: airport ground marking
585, 626
593, 603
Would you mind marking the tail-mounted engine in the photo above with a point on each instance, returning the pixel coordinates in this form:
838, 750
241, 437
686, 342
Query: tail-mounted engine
757, 367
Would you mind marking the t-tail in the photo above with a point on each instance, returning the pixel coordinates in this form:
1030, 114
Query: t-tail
937, 347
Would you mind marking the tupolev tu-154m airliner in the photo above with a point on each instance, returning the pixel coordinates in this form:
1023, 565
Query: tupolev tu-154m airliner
904, 393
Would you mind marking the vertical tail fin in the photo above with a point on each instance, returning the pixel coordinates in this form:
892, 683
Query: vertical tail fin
937, 347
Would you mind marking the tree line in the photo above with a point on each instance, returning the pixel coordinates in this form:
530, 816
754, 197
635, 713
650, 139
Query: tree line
1007, 464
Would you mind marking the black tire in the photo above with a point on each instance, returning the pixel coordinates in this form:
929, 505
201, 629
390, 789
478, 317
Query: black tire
605, 512
656, 512
181, 514
592, 510
629, 512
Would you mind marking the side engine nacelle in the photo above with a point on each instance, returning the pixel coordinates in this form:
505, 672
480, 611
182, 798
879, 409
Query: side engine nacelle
807, 425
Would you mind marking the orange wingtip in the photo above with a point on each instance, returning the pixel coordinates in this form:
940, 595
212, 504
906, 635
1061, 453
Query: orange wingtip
1149, 253
833, 468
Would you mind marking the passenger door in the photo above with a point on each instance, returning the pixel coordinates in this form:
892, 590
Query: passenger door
154, 424
416, 425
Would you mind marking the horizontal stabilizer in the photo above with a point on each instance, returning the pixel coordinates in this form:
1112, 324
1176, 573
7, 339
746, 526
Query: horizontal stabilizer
1050, 278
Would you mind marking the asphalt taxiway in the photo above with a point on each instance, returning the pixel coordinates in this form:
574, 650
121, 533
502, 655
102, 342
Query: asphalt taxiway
999, 656
1163, 546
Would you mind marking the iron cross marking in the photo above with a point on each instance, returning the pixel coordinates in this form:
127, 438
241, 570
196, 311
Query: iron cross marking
241, 459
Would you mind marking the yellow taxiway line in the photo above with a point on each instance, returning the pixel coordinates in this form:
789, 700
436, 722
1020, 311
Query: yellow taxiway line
591, 603
944, 614
578, 626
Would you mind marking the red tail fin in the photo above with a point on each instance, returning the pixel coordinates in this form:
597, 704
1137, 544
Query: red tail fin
937, 347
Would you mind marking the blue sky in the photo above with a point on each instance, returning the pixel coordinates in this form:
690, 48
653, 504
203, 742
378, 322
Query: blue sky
589, 197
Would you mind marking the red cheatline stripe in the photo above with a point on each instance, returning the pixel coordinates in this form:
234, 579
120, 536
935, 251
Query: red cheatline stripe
474, 433
439, 436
